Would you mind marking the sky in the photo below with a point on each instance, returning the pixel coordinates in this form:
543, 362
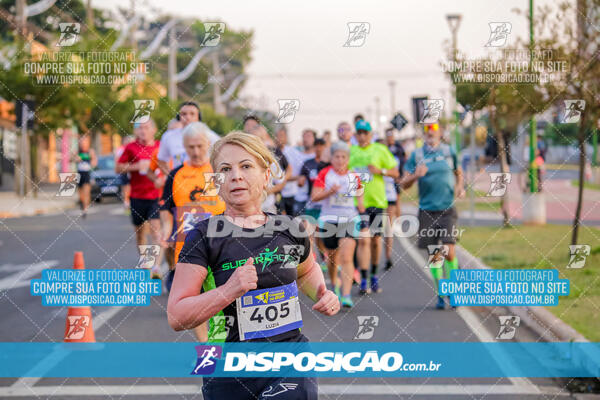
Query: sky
298, 50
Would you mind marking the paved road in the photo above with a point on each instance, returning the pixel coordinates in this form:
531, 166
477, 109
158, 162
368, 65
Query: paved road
405, 311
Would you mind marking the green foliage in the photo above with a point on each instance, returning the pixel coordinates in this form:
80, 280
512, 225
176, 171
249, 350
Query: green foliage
561, 134
109, 108
514, 103
218, 123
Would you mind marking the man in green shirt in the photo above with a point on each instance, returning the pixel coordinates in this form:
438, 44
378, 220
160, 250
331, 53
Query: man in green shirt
374, 161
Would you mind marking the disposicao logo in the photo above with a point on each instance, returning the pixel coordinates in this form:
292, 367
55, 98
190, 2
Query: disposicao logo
207, 359
319, 362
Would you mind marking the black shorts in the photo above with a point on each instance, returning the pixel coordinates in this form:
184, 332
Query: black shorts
369, 219
143, 210
286, 204
84, 177
124, 179
436, 226
331, 233
263, 388
299, 208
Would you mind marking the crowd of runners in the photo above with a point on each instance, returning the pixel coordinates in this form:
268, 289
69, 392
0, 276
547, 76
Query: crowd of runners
291, 216
346, 192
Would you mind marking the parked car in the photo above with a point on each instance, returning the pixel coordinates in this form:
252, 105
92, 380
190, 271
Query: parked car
105, 181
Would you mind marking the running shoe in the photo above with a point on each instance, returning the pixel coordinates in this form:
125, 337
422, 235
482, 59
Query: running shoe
388, 265
453, 307
440, 303
375, 285
347, 302
364, 287
337, 292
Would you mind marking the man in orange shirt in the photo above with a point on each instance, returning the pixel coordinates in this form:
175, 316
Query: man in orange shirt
190, 195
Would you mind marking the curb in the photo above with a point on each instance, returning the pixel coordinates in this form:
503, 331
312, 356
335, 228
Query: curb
37, 211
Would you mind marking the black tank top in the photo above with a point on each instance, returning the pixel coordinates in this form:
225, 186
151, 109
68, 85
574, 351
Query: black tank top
271, 253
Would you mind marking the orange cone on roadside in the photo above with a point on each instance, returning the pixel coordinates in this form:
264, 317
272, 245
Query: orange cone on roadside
79, 319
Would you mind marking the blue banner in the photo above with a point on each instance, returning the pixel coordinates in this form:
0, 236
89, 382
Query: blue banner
504, 287
95, 287
300, 359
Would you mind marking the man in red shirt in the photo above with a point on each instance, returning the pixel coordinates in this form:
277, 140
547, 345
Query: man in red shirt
144, 196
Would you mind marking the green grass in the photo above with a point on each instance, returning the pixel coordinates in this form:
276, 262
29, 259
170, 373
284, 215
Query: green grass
547, 247
465, 205
482, 203
586, 185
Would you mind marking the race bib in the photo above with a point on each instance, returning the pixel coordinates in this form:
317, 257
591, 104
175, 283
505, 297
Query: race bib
84, 166
361, 170
267, 312
342, 200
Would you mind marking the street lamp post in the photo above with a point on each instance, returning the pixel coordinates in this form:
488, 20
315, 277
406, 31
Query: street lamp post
172, 65
595, 146
532, 123
454, 23
217, 81
377, 118
534, 204
392, 98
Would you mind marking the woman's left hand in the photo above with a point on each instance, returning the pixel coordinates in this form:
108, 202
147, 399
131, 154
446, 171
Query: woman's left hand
327, 303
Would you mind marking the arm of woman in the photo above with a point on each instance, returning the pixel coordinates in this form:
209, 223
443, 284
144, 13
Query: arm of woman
93, 158
361, 203
320, 193
312, 283
187, 308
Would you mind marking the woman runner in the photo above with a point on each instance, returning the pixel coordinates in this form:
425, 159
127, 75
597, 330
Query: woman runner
234, 269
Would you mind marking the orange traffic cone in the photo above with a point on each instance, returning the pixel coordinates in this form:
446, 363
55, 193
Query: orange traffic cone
79, 319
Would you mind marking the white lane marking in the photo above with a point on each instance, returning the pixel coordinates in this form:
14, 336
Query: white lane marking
77, 213
327, 389
117, 211
468, 316
33, 375
20, 279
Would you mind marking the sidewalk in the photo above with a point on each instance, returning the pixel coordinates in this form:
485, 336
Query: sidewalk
560, 197
13, 206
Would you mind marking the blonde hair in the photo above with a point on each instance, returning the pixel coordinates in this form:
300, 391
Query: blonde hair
253, 145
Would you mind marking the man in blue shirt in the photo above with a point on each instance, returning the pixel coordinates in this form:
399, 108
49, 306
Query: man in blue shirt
434, 166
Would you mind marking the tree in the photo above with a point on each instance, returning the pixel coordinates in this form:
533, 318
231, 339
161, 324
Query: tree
570, 30
508, 104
